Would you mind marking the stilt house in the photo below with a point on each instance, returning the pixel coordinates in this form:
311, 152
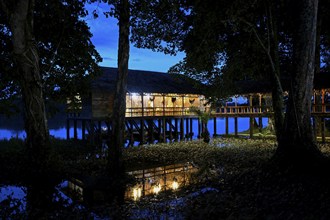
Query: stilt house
148, 94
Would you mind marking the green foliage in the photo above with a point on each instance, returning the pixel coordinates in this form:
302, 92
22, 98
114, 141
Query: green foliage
68, 59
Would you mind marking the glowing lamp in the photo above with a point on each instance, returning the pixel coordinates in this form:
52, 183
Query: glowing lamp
175, 184
137, 192
156, 189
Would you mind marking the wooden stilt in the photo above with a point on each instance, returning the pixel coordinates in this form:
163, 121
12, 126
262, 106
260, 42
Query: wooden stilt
160, 130
323, 129
236, 126
142, 131
92, 131
199, 129
164, 130
170, 130
131, 143
83, 129
187, 128
176, 130
260, 123
227, 126
75, 132
251, 126
214, 126
191, 133
67, 128
151, 131
181, 129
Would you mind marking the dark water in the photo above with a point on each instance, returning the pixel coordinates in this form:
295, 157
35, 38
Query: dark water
14, 127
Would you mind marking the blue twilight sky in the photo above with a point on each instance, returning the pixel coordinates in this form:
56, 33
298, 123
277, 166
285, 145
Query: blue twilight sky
105, 39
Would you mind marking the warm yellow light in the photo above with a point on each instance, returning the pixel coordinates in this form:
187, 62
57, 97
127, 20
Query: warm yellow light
137, 192
135, 95
156, 189
175, 185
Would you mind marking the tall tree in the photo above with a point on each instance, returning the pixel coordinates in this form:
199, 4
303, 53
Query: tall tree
20, 17
116, 166
298, 142
60, 31
250, 39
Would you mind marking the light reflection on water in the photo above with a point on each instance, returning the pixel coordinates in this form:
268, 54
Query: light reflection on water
60, 131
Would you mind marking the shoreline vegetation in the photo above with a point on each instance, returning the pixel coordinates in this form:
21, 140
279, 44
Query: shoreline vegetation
236, 180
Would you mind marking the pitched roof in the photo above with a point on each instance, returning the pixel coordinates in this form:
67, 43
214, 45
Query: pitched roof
145, 81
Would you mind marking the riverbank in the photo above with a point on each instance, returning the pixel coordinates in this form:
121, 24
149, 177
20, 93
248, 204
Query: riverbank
235, 180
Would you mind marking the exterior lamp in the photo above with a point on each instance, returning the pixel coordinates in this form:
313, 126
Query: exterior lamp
156, 189
175, 184
137, 192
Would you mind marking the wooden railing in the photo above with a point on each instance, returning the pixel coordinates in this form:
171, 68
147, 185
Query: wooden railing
243, 109
224, 110
157, 111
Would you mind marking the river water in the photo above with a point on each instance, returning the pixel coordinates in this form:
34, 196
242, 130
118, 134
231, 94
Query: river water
14, 127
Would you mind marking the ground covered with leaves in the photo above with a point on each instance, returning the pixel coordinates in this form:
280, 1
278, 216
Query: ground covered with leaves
236, 180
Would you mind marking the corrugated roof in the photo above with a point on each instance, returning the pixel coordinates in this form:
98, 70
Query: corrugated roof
145, 81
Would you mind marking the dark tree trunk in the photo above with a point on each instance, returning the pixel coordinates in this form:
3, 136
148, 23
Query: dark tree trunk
26, 60
116, 166
296, 143
273, 56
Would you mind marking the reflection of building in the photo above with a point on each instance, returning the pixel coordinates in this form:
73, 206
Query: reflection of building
148, 94
151, 181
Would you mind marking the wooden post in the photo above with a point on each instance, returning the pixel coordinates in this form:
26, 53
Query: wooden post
83, 129
99, 125
260, 102
75, 132
142, 104
187, 128
251, 126
199, 129
323, 107
251, 106
151, 131
170, 131
164, 130
181, 129
214, 126
236, 126
260, 123
132, 135
160, 130
67, 128
191, 128
323, 129
227, 126
176, 130
91, 130
142, 131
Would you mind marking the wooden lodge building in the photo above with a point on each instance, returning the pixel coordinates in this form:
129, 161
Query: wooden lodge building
148, 94
157, 106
